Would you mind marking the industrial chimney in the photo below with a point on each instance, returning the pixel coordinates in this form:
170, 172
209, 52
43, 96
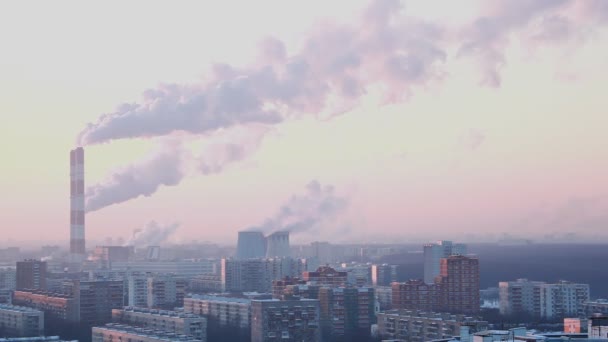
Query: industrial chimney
77, 241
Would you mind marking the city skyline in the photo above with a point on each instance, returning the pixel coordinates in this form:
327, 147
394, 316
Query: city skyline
482, 138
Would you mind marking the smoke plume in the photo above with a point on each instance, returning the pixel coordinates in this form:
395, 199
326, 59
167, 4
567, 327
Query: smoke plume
303, 212
384, 50
152, 234
170, 162
142, 178
335, 60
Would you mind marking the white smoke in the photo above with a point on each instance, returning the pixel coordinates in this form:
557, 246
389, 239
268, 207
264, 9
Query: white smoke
152, 234
384, 50
319, 206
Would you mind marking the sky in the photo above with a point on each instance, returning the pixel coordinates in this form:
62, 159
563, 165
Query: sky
355, 121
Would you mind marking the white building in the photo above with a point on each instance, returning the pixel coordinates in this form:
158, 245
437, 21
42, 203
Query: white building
520, 296
8, 278
181, 323
225, 311
434, 252
21, 321
562, 299
155, 290
179, 268
120, 332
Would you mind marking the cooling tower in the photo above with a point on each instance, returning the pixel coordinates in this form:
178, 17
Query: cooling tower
277, 245
77, 240
251, 244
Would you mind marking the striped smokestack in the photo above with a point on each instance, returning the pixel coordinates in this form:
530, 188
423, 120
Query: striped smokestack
77, 244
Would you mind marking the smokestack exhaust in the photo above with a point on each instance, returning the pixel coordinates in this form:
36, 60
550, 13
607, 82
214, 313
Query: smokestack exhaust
77, 240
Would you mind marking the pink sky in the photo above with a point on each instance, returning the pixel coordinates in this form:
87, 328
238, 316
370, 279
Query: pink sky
491, 121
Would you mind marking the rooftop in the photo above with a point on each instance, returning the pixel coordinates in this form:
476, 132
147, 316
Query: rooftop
7, 307
160, 335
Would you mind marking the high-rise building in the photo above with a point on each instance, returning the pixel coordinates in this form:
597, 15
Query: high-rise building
415, 294
539, 299
346, 312
95, 299
459, 281
250, 245
155, 290
277, 245
563, 299
106, 255
434, 252
456, 289
285, 320
520, 296
181, 323
19, 321
383, 274
31, 274
77, 209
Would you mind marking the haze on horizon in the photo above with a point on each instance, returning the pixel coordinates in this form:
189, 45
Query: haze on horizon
376, 121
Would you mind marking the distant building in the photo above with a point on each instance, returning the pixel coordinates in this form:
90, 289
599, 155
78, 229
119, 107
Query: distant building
279, 286
180, 323
251, 245
384, 297
19, 321
346, 312
106, 255
8, 278
31, 274
434, 252
539, 299
599, 306
322, 252
222, 311
415, 294
121, 332
325, 275
456, 289
54, 305
206, 283
357, 274
598, 327
179, 268
279, 320
520, 296
564, 299
459, 282
383, 274
257, 274
86, 302
277, 245
412, 325
155, 290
